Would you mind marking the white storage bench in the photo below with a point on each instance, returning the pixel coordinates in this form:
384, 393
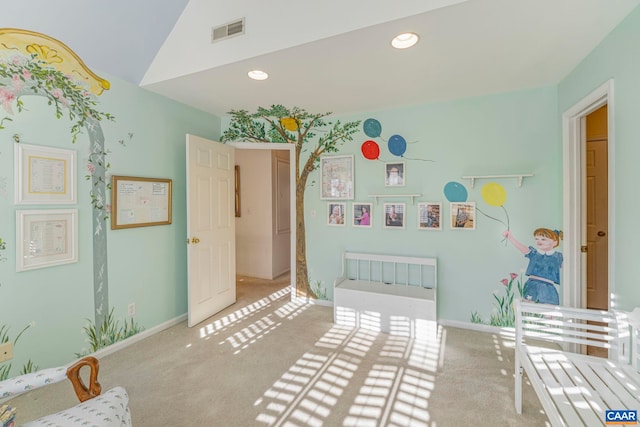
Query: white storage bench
576, 389
387, 293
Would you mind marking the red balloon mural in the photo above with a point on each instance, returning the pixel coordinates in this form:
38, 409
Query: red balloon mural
370, 150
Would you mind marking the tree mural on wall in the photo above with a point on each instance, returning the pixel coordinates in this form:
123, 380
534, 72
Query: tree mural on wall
35, 64
310, 133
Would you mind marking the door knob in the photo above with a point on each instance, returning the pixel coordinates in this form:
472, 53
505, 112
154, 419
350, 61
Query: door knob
195, 240
602, 233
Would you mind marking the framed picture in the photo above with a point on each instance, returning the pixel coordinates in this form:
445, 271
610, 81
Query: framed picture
140, 202
44, 175
394, 215
46, 238
336, 177
430, 216
394, 174
336, 213
463, 216
361, 214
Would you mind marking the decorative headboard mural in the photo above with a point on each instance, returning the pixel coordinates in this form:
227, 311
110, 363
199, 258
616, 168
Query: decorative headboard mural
36, 64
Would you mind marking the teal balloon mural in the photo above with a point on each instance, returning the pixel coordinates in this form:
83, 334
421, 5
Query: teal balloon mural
372, 128
455, 192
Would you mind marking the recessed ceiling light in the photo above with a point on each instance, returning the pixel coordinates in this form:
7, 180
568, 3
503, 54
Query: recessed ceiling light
404, 40
258, 75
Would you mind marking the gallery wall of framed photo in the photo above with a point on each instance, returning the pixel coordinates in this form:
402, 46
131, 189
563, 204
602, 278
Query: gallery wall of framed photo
337, 186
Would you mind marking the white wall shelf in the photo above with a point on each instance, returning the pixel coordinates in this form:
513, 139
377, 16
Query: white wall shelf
519, 176
382, 196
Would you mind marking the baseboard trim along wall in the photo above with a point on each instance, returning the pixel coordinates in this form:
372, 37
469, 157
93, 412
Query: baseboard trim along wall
505, 332
139, 337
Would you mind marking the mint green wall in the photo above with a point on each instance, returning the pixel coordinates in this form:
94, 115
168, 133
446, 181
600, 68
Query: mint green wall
147, 266
618, 58
499, 134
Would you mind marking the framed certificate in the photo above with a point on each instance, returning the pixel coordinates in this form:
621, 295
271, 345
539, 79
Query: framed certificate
44, 175
45, 238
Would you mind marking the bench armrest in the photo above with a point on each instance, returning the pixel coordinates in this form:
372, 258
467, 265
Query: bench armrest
23, 383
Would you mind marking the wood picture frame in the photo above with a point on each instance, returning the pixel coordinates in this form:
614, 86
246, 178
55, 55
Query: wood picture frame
140, 202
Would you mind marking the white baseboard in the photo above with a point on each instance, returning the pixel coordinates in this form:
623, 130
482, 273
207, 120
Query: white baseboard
322, 302
138, 337
479, 327
507, 332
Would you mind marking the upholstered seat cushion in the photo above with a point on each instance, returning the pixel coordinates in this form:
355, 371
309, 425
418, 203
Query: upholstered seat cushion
110, 409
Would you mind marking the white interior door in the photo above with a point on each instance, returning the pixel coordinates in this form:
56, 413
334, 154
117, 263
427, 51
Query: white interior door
210, 228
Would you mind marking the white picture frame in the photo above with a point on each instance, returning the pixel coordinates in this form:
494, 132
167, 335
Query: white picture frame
46, 238
336, 178
394, 174
462, 215
361, 215
44, 175
336, 214
430, 216
395, 215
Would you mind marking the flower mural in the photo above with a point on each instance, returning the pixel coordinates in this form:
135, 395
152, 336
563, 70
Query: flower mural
503, 314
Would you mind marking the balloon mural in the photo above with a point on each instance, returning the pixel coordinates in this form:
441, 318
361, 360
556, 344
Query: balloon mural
455, 192
494, 194
370, 150
396, 144
372, 128
289, 123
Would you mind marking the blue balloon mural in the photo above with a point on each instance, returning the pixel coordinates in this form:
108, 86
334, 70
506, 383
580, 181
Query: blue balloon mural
455, 192
397, 145
372, 128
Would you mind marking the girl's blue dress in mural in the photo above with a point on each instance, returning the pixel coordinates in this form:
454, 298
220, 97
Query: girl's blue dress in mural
544, 275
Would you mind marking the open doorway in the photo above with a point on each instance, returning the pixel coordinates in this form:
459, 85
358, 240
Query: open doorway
265, 221
597, 238
588, 204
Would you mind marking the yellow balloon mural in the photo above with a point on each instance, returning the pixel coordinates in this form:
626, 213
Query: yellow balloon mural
494, 194
289, 123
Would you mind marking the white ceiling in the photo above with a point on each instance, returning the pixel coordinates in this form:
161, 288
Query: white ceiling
335, 58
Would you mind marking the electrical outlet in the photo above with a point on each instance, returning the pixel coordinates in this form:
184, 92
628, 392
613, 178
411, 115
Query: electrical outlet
6, 351
131, 309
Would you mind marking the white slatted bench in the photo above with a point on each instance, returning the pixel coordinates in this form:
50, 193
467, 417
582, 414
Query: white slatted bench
387, 293
575, 389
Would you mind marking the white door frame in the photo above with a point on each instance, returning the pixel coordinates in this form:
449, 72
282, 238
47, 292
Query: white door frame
574, 193
292, 177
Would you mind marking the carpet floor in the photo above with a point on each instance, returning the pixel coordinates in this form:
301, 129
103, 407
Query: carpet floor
268, 361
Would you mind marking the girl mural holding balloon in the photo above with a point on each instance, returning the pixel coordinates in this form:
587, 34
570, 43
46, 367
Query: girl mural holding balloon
544, 266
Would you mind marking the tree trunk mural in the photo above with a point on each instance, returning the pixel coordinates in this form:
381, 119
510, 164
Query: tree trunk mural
294, 126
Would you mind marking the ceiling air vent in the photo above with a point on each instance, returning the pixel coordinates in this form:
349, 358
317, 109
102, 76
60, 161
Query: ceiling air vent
230, 29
